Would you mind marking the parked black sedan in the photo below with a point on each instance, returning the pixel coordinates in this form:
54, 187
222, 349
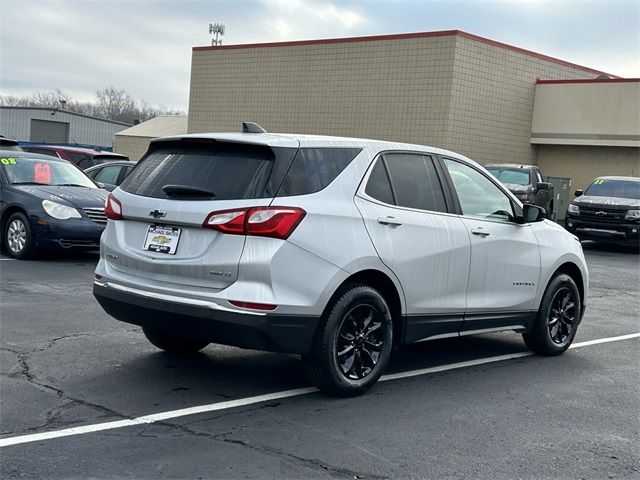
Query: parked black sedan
47, 203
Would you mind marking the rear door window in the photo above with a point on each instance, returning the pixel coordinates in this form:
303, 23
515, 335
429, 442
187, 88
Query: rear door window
231, 171
415, 182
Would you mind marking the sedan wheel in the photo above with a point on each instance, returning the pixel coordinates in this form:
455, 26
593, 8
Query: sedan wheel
18, 238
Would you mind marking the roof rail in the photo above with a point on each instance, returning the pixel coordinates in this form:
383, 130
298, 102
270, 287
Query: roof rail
252, 127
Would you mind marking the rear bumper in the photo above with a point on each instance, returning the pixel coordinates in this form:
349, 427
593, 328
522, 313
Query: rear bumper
274, 333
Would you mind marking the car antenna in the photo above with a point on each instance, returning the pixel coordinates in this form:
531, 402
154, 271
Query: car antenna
252, 127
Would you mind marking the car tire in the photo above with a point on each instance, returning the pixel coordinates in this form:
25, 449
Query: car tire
18, 238
173, 343
353, 343
557, 319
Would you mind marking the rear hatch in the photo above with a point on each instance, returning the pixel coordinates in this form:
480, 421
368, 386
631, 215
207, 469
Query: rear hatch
171, 192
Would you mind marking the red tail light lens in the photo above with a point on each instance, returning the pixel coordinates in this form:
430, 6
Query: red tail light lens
275, 222
113, 208
255, 306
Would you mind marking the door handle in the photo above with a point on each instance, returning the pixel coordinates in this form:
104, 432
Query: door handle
480, 231
388, 221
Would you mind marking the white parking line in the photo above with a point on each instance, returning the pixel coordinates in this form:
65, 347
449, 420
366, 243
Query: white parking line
212, 407
7, 259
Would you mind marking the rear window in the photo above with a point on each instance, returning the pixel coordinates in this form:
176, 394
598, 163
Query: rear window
514, 177
235, 171
230, 171
603, 187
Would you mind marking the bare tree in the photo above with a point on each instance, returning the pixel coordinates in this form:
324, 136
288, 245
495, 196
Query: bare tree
115, 104
51, 99
110, 103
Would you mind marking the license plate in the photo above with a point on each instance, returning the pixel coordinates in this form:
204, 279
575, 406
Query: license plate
162, 239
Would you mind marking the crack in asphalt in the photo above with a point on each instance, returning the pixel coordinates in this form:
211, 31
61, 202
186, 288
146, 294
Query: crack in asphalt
52, 415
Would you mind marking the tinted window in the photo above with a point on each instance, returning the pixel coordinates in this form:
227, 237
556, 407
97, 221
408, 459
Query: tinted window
515, 177
315, 168
415, 181
230, 171
108, 175
479, 196
378, 185
603, 187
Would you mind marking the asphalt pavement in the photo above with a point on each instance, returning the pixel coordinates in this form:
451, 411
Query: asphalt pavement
65, 364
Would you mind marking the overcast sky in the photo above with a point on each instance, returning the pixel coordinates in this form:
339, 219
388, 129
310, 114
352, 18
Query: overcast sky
145, 46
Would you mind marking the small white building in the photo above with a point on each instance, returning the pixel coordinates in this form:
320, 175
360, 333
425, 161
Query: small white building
52, 125
133, 142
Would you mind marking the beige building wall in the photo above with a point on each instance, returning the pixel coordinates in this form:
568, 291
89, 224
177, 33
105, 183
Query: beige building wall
605, 113
447, 89
584, 163
493, 99
132, 147
386, 89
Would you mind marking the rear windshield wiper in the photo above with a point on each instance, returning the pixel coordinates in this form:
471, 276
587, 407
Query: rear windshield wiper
69, 185
187, 191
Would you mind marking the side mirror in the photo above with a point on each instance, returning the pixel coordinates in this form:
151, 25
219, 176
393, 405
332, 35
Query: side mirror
531, 213
579, 192
544, 186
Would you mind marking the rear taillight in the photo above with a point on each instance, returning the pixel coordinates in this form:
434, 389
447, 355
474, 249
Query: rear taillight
113, 208
276, 222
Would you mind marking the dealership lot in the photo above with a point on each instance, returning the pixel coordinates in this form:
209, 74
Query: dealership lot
65, 364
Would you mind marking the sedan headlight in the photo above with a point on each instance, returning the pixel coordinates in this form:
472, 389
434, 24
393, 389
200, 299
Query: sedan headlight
59, 211
573, 209
632, 215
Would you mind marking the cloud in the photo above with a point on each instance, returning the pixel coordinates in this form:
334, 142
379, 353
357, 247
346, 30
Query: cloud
144, 46
305, 19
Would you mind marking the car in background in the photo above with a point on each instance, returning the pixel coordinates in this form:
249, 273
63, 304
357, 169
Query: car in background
336, 249
46, 204
526, 183
110, 175
9, 144
82, 157
608, 211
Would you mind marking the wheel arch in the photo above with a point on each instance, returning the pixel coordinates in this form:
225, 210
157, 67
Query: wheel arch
385, 285
10, 210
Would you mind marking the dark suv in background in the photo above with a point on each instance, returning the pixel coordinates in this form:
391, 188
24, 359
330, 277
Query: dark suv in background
607, 211
82, 157
526, 183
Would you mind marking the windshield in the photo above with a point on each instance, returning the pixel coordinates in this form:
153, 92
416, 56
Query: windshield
602, 187
516, 177
38, 171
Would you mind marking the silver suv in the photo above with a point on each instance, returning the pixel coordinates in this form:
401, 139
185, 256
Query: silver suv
336, 249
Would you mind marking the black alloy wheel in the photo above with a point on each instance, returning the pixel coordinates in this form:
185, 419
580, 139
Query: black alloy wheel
352, 345
558, 317
562, 315
360, 341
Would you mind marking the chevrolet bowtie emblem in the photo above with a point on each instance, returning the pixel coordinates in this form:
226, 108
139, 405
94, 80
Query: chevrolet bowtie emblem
157, 213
